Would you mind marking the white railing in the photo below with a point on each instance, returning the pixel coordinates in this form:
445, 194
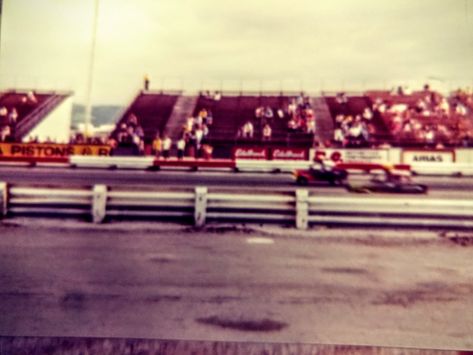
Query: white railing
101, 203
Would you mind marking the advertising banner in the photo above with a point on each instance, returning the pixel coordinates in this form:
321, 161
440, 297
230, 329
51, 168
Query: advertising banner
44, 150
250, 153
289, 154
352, 155
428, 156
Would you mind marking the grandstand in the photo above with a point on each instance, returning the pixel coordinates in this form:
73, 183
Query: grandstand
421, 119
152, 111
29, 115
394, 119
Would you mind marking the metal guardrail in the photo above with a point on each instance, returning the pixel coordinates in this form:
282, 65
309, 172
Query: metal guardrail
100, 203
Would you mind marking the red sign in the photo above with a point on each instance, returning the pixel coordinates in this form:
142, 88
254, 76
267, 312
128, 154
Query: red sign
250, 153
289, 154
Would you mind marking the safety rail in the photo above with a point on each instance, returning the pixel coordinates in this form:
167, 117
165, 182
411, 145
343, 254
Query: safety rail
101, 203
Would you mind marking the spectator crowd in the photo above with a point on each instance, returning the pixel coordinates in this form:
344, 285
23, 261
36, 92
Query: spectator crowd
421, 118
296, 116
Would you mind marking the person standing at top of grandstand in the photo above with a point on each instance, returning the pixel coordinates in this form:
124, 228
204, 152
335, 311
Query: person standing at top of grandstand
167, 142
181, 146
146, 82
31, 98
157, 146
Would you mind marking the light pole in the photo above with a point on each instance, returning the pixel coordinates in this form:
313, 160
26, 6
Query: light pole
88, 107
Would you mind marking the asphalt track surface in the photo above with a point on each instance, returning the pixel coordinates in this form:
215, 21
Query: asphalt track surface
390, 288
441, 187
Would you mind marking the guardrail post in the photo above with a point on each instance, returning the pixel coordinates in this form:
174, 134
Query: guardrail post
99, 203
200, 207
302, 209
3, 199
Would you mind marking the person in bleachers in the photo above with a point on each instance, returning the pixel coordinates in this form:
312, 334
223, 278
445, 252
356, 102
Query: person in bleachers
146, 82
167, 143
267, 132
31, 98
202, 116
292, 125
280, 113
217, 96
190, 124
310, 126
460, 109
292, 108
205, 130
13, 117
208, 121
247, 130
199, 136
367, 114
259, 112
157, 146
3, 114
430, 137
339, 137
132, 120
268, 114
139, 132
5, 133
341, 98
181, 146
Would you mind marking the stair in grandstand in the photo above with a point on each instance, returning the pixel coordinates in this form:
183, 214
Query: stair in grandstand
324, 121
183, 109
153, 110
37, 115
30, 114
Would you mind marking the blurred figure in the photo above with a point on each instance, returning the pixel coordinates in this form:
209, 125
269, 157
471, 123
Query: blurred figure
157, 146
166, 146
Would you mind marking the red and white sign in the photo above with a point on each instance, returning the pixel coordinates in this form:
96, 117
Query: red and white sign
353, 155
289, 154
428, 156
250, 153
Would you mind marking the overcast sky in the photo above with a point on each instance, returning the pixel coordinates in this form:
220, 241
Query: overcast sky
325, 44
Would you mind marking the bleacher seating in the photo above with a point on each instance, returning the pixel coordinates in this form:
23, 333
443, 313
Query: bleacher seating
354, 106
233, 110
152, 110
29, 113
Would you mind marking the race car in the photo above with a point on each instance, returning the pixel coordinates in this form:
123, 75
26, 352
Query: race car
399, 182
320, 171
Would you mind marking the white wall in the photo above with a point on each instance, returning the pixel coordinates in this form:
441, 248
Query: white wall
57, 125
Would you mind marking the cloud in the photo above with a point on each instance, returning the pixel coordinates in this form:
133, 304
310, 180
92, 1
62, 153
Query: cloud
334, 41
